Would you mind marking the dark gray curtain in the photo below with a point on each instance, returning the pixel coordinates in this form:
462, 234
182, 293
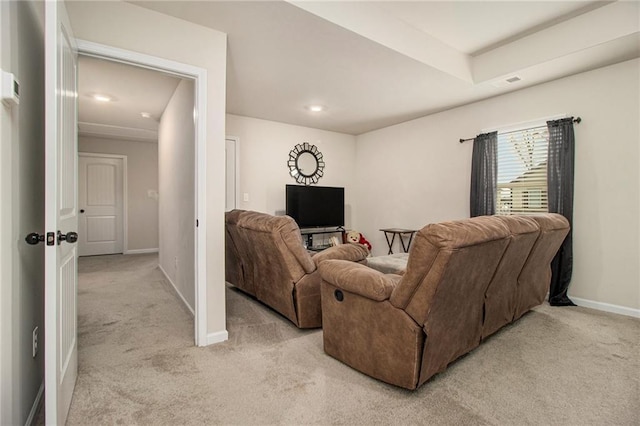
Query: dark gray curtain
560, 194
484, 174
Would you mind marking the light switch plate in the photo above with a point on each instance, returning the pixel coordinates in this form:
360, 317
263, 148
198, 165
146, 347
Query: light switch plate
9, 88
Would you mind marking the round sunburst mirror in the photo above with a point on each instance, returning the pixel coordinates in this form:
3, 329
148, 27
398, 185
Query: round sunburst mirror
306, 164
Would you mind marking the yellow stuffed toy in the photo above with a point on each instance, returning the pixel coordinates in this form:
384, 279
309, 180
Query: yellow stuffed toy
357, 238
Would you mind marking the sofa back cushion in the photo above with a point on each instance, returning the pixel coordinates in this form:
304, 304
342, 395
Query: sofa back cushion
500, 297
534, 279
449, 269
433, 250
276, 259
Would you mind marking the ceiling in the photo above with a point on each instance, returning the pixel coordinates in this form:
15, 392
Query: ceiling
131, 90
373, 64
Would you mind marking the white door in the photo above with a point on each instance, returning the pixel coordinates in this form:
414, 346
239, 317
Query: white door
231, 151
61, 220
100, 200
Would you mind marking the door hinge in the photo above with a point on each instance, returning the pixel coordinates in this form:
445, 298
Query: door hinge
197, 223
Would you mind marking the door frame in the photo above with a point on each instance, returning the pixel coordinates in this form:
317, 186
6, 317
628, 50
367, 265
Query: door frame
236, 167
199, 77
125, 202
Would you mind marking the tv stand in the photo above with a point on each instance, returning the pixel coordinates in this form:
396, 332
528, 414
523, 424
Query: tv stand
318, 244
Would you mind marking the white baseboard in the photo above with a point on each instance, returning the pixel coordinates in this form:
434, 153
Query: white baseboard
142, 251
217, 337
177, 291
34, 408
607, 307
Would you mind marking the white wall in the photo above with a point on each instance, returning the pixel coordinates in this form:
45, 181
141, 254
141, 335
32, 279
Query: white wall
127, 26
264, 152
415, 173
176, 152
21, 212
142, 176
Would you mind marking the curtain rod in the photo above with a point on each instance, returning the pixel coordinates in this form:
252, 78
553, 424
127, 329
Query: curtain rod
576, 120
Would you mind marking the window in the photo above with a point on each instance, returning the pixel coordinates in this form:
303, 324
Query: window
522, 171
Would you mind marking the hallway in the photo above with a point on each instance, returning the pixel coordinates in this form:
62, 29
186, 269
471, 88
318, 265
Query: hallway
129, 318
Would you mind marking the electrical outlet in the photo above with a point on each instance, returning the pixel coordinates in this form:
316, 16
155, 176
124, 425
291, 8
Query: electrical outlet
34, 339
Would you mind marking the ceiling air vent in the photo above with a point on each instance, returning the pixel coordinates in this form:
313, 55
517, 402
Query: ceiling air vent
506, 81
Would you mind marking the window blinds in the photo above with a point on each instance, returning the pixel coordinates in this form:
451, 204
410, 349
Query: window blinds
522, 171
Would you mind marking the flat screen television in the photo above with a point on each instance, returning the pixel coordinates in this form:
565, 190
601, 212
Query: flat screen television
315, 206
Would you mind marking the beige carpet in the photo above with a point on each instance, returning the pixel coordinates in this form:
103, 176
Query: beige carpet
138, 365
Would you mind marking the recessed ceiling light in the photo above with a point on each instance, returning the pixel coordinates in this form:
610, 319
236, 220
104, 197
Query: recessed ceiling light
145, 115
316, 108
102, 98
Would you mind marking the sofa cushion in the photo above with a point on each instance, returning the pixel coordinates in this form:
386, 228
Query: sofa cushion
390, 264
534, 279
358, 279
280, 232
432, 248
351, 252
277, 259
500, 297
450, 267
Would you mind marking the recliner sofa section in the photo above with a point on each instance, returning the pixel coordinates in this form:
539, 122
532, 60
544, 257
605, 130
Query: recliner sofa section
464, 281
265, 258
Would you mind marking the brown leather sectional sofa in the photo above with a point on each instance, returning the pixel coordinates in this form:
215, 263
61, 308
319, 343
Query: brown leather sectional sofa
464, 281
265, 258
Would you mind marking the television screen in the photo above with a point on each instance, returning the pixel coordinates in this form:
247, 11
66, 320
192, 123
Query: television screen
315, 206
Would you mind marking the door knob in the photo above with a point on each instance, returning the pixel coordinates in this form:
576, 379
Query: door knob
70, 237
81, 210
34, 238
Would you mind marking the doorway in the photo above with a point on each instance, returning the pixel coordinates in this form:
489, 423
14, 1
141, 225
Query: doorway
102, 204
195, 76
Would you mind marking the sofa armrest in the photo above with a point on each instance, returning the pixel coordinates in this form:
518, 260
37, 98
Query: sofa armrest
358, 279
350, 252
